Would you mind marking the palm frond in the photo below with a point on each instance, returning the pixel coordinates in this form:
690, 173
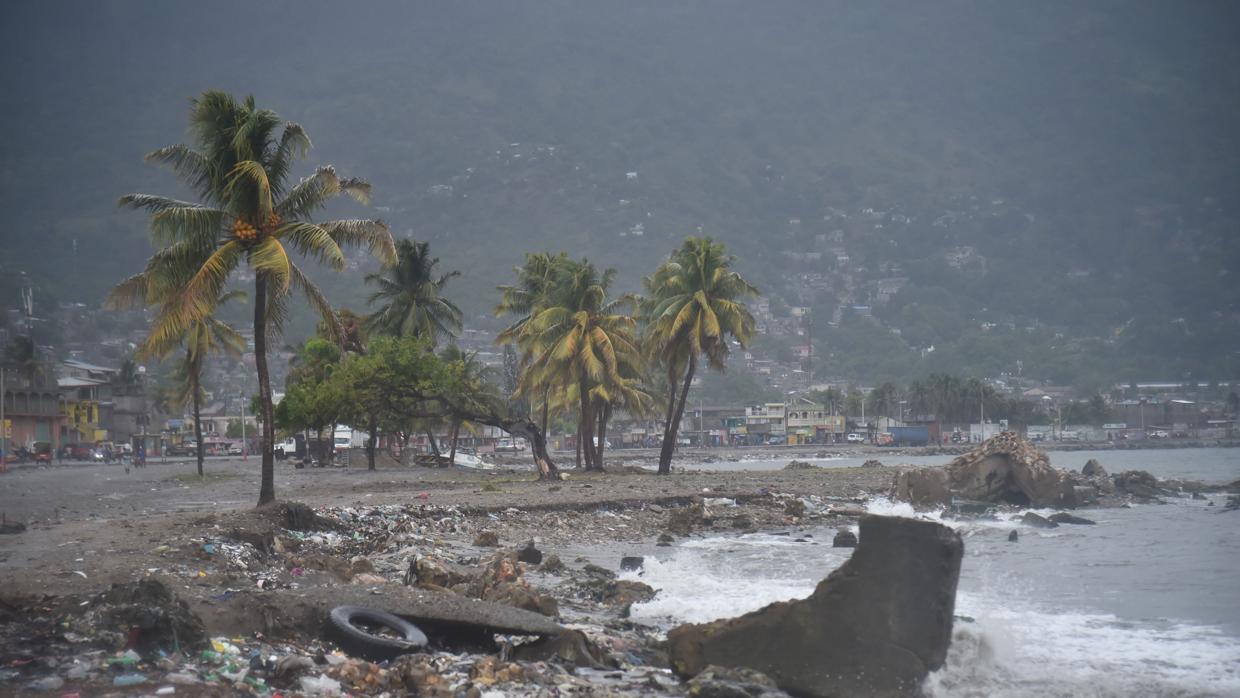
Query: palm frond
317, 301
252, 171
372, 234
313, 241
190, 165
128, 294
270, 257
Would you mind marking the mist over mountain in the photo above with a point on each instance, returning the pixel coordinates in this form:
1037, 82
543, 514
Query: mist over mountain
945, 186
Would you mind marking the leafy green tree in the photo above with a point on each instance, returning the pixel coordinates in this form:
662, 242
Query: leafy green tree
693, 306
22, 355
885, 399
410, 297
471, 378
252, 216
399, 380
312, 400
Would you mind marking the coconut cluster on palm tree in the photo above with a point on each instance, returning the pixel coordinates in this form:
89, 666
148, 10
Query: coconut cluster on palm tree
693, 307
251, 214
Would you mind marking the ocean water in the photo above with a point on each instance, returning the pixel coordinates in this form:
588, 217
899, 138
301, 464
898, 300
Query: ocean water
1145, 603
1212, 465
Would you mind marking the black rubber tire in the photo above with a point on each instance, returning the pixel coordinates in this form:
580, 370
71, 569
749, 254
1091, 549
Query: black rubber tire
359, 643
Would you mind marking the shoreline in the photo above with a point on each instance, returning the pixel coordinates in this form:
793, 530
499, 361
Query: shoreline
252, 578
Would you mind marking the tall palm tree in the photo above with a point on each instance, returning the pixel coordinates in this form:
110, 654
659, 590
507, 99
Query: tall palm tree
250, 216
580, 343
412, 297
693, 306
536, 280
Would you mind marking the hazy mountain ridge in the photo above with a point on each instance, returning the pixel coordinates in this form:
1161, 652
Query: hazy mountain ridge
1105, 130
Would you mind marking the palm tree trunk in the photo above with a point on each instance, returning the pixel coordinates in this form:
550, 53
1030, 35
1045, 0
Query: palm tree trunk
430, 437
267, 491
669, 445
603, 415
199, 445
453, 432
669, 438
546, 407
578, 445
324, 452
587, 427
372, 444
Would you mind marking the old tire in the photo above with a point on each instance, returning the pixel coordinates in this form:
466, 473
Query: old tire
348, 626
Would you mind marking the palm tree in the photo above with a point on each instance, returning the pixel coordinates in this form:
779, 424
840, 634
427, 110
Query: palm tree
201, 338
250, 215
412, 297
693, 306
582, 346
204, 337
535, 282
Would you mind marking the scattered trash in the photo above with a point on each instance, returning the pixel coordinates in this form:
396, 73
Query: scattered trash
319, 686
129, 679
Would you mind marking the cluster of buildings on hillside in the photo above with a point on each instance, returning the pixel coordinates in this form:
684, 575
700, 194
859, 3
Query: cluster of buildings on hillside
92, 395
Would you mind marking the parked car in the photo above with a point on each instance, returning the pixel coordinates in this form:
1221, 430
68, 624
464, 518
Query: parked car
234, 449
856, 439
1159, 434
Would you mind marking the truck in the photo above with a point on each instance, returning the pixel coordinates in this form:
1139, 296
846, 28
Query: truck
909, 436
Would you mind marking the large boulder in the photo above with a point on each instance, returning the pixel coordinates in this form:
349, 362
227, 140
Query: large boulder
876, 626
1093, 469
926, 488
1010, 470
1139, 484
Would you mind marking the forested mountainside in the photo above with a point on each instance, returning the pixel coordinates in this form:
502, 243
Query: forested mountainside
945, 186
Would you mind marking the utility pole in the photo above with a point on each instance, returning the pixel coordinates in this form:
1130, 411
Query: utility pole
809, 336
981, 400
243, 448
4, 430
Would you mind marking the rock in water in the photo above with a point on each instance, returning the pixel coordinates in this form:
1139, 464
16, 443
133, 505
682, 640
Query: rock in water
1065, 518
922, 488
844, 539
1013, 537
530, 554
1093, 469
1037, 521
1139, 484
1007, 469
872, 464
876, 626
629, 563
